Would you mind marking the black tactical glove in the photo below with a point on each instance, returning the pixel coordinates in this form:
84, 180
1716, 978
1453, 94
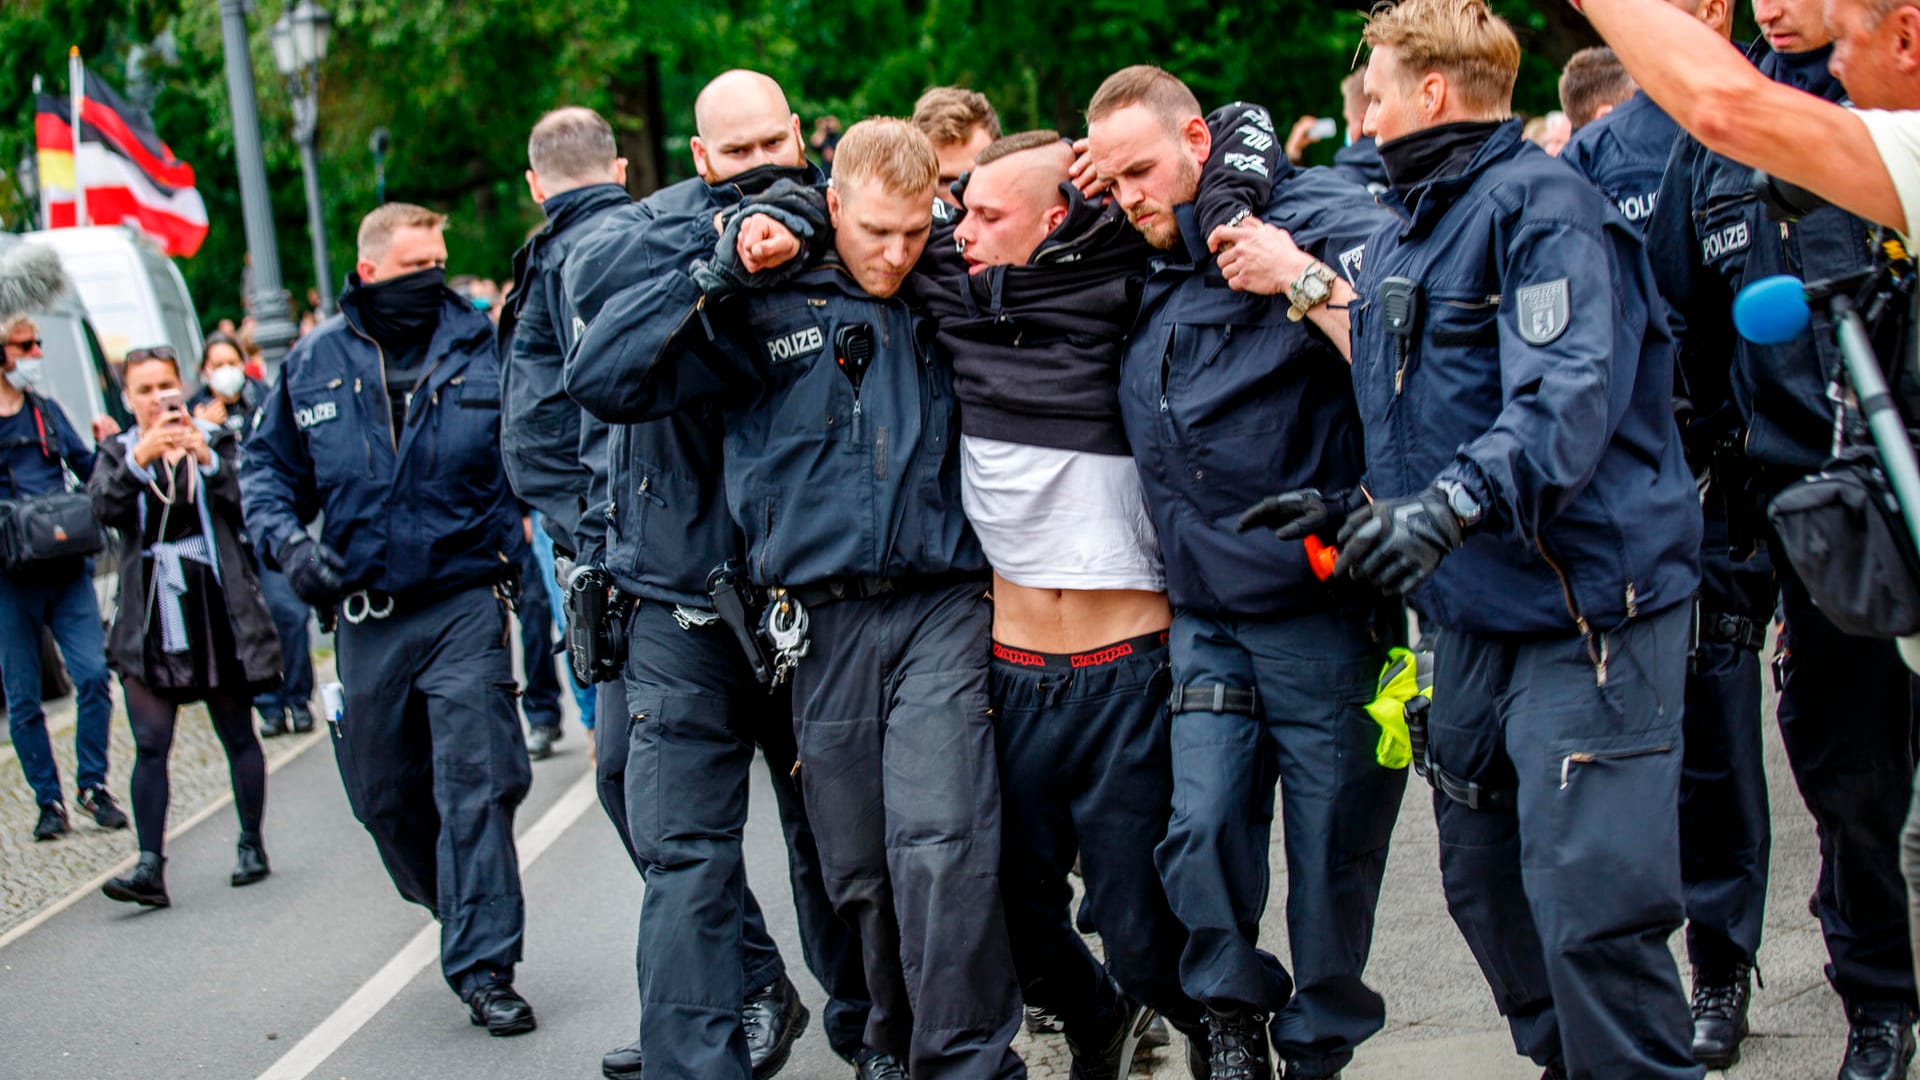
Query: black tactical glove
313, 569
1393, 544
802, 209
1299, 514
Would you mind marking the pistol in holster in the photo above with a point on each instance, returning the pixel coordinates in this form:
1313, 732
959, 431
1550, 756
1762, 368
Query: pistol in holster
596, 626
742, 605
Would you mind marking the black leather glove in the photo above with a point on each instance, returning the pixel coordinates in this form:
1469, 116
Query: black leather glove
803, 210
1393, 544
313, 569
1299, 514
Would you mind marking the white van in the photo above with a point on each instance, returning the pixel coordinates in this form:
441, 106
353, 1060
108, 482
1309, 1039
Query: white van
77, 374
133, 294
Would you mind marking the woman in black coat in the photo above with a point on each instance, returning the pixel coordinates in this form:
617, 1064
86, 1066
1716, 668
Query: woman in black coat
190, 622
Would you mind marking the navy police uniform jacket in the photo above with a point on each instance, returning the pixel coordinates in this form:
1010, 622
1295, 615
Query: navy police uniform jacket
661, 518
1359, 161
1540, 377
1624, 154
1226, 401
541, 438
824, 482
1712, 237
420, 512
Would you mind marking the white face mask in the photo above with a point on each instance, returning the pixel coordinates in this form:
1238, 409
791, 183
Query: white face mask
25, 375
227, 381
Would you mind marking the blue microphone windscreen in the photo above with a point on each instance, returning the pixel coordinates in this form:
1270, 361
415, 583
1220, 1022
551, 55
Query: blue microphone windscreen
1772, 310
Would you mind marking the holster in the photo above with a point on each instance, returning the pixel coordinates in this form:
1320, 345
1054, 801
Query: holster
742, 607
596, 627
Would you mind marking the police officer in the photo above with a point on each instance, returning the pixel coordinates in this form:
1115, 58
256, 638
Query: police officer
674, 755
844, 478
387, 420
1725, 825
1224, 398
1761, 419
1526, 487
576, 175
1359, 160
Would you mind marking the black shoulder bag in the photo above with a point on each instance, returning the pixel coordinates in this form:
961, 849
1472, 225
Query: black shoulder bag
58, 525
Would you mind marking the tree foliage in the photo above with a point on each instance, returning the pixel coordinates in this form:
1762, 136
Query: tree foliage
459, 82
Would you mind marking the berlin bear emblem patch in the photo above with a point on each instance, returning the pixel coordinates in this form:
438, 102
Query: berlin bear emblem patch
1543, 311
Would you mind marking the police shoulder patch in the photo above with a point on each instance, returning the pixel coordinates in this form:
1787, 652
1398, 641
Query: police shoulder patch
1544, 311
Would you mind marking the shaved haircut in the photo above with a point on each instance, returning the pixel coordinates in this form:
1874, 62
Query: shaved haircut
728, 89
1016, 143
572, 147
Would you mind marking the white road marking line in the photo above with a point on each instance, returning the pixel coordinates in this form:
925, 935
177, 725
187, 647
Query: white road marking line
92, 888
378, 992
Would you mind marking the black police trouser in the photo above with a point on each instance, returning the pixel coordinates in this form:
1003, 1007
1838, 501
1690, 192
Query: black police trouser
541, 700
1846, 717
1312, 675
897, 766
433, 762
1726, 828
1568, 887
1085, 770
691, 715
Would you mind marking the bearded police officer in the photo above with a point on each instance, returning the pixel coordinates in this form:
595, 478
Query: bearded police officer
386, 420
1761, 419
1223, 398
674, 757
1526, 488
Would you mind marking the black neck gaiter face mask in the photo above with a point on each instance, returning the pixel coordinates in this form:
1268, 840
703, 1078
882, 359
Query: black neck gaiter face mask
1439, 151
402, 310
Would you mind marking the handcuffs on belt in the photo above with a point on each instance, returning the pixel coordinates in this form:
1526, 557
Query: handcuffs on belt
786, 628
367, 609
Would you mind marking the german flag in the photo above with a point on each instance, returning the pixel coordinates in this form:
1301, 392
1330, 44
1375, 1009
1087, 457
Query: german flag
131, 176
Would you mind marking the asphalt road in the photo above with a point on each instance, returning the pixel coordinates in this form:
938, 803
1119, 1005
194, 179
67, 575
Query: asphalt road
323, 971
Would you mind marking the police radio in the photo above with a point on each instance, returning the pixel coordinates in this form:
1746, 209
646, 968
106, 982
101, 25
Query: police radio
1400, 314
853, 351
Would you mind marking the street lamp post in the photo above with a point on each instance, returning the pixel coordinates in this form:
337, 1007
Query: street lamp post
299, 46
273, 328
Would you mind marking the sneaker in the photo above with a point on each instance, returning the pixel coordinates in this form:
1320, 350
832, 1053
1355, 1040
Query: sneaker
98, 802
1042, 1022
52, 823
301, 717
273, 723
540, 741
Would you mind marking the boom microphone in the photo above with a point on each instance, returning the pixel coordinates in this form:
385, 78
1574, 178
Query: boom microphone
1772, 310
30, 280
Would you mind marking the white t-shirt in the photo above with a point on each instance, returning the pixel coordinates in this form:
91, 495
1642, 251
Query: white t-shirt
1060, 519
1897, 136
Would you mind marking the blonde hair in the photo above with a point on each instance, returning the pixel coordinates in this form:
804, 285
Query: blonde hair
1461, 39
377, 228
889, 150
948, 115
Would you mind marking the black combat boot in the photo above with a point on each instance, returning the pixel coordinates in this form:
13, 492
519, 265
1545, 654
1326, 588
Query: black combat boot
1720, 999
1238, 1046
146, 886
501, 1010
622, 1064
1108, 1055
1879, 1042
773, 1018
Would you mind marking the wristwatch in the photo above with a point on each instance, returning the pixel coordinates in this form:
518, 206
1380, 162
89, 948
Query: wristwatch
1313, 288
1461, 502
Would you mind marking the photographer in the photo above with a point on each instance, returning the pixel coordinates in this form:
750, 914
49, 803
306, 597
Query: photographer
1869, 160
38, 451
191, 624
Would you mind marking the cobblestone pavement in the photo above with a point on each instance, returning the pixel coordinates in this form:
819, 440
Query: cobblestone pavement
34, 875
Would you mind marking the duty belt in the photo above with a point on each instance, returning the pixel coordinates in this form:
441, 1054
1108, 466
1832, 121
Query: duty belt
835, 590
1724, 629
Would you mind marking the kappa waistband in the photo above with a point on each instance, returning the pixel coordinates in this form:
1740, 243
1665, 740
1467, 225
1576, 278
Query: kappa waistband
1105, 654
